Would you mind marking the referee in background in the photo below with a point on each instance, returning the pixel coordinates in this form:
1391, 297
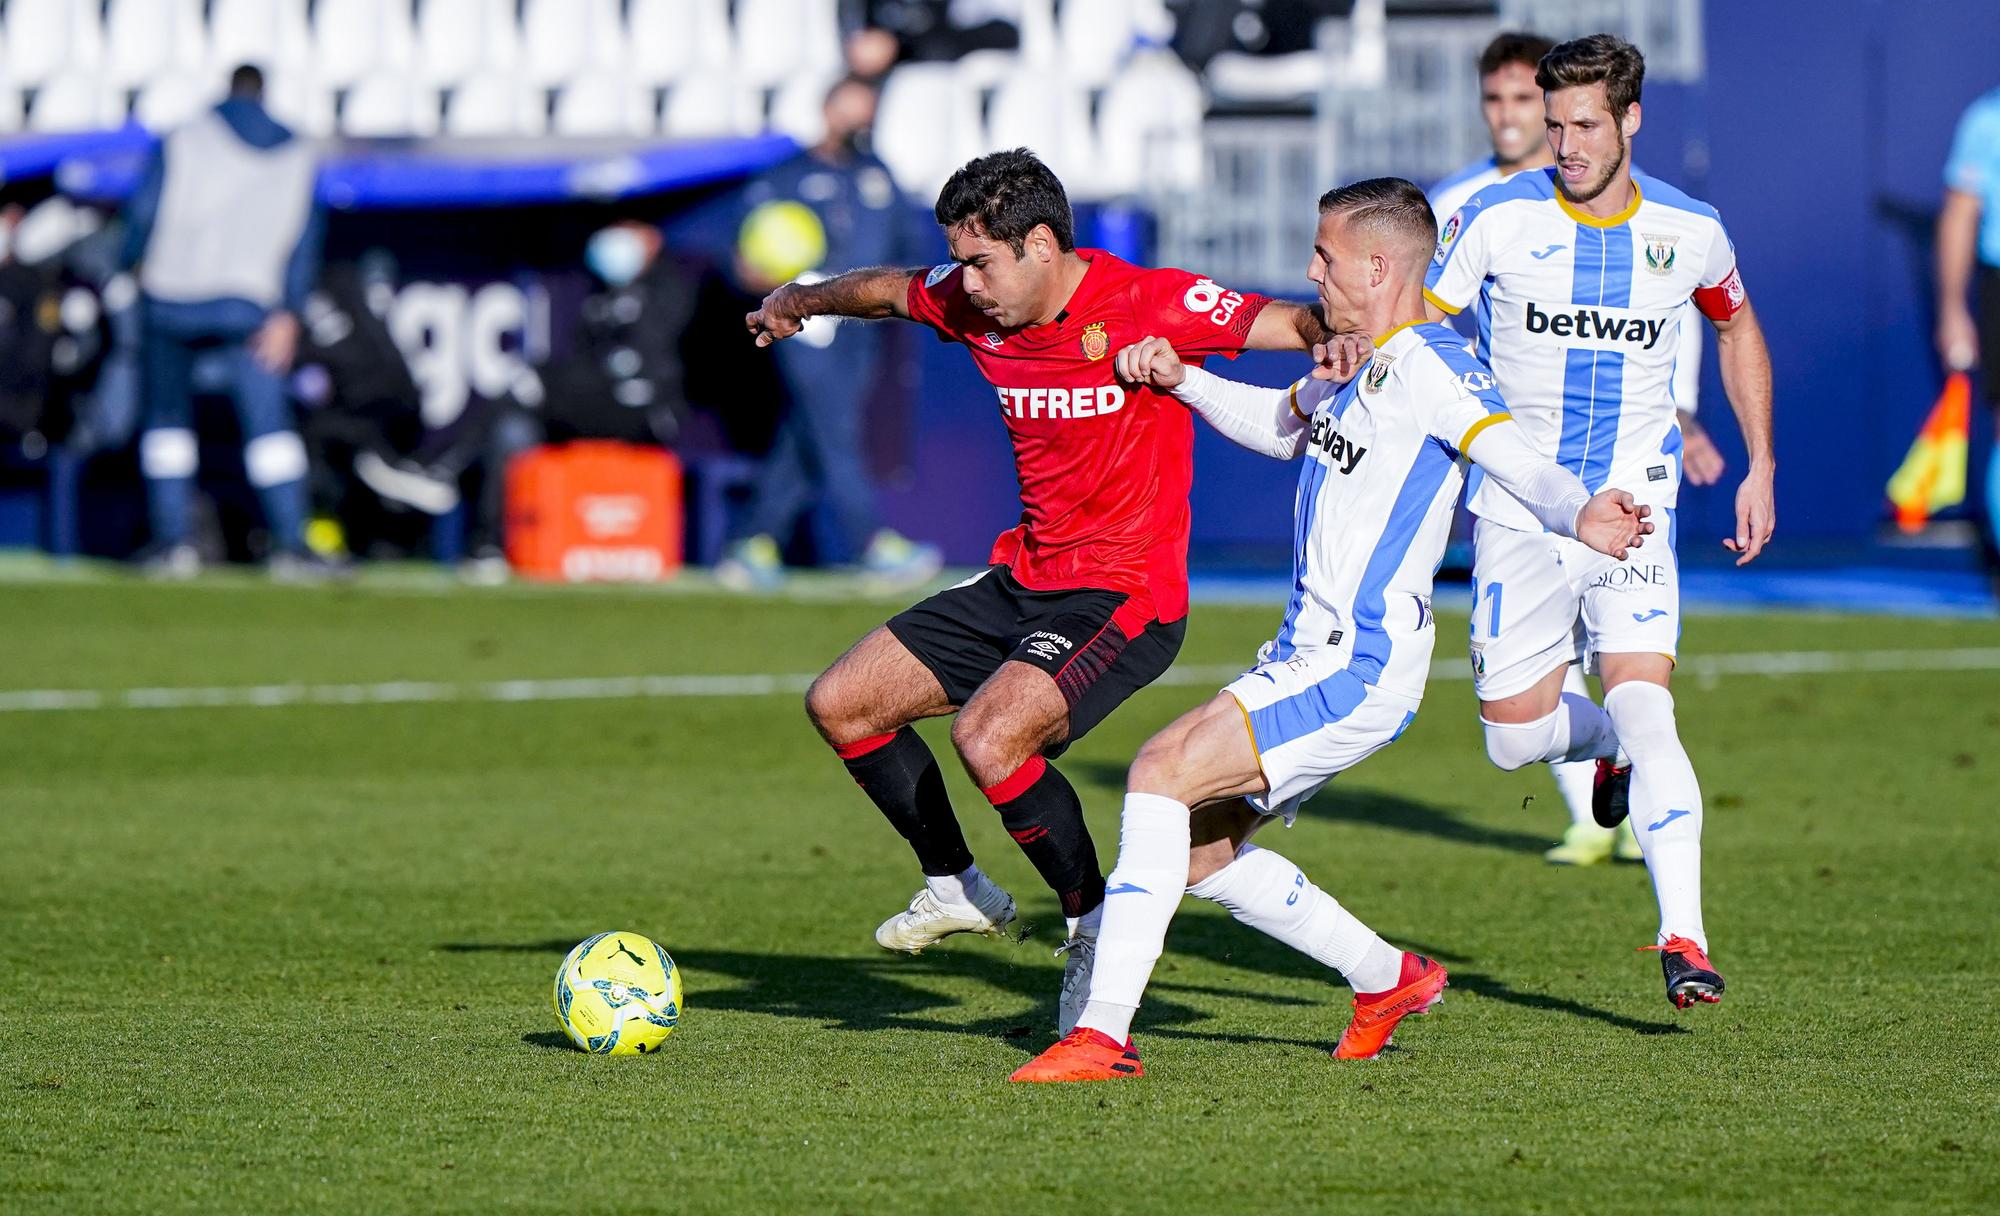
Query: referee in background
1968, 233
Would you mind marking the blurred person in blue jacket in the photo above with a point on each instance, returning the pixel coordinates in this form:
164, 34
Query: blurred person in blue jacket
831, 208
1968, 264
227, 236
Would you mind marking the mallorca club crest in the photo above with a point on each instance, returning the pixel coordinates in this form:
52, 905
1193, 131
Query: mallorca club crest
1377, 374
1095, 344
1660, 253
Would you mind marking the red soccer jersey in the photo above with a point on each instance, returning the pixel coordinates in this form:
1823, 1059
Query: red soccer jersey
1104, 468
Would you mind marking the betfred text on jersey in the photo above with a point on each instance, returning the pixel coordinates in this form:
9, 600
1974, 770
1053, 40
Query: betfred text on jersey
1342, 451
1061, 402
1602, 328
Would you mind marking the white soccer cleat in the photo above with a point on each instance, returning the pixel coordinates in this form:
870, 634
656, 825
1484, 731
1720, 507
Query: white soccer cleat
928, 920
1079, 955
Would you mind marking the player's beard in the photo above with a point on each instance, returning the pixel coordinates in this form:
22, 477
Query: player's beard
1592, 189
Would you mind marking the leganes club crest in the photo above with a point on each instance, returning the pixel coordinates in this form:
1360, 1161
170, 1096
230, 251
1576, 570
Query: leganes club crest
1660, 253
1377, 374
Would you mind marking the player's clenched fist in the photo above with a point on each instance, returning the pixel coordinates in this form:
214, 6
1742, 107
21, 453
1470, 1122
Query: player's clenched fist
1611, 523
780, 315
1340, 357
1151, 361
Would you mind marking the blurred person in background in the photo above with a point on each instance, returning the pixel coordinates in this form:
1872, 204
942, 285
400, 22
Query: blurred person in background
1968, 235
939, 31
1511, 103
227, 236
831, 208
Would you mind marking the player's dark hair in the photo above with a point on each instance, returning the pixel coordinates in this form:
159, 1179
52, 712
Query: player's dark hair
1393, 206
1604, 59
1514, 46
1004, 195
247, 81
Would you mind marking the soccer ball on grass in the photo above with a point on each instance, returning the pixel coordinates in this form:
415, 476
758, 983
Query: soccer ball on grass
618, 994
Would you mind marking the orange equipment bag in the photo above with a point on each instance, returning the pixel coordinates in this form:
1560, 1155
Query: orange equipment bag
594, 511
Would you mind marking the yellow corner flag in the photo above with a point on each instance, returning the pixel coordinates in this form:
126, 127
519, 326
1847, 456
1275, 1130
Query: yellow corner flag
1932, 476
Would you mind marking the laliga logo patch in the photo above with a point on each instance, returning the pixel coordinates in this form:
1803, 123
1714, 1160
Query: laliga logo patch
1660, 253
1095, 343
1377, 374
1450, 234
993, 339
939, 273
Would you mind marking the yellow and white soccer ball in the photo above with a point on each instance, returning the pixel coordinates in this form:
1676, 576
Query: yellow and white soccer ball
781, 240
618, 994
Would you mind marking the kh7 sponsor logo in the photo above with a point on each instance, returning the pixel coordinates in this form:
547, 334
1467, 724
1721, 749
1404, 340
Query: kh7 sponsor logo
1342, 451
1061, 402
1603, 328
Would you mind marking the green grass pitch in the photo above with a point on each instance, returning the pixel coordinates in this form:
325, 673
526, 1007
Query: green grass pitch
298, 958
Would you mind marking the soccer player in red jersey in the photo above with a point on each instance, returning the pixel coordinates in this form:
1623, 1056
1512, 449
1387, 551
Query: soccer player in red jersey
1085, 600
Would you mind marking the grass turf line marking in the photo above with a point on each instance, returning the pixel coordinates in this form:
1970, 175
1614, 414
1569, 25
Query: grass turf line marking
1705, 669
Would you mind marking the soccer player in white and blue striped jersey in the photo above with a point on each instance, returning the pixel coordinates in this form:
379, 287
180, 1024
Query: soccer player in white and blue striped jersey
1582, 273
1345, 673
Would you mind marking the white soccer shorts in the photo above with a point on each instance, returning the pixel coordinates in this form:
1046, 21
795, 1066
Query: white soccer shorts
1310, 719
1542, 600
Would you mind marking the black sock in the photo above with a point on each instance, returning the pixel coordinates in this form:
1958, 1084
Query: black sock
899, 773
1045, 817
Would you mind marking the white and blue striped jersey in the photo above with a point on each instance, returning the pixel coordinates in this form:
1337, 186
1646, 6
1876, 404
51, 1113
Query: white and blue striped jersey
1453, 192
1581, 320
1375, 498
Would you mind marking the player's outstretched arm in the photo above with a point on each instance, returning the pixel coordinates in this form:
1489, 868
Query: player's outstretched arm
1609, 522
1264, 420
1746, 377
1283, 325
870, 295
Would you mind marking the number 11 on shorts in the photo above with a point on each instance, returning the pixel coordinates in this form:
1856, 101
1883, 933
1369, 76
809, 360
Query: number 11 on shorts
1492, 609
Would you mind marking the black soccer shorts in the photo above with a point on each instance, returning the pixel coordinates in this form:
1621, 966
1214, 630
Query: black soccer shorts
964, 633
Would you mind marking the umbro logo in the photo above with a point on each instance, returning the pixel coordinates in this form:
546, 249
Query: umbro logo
1541, 255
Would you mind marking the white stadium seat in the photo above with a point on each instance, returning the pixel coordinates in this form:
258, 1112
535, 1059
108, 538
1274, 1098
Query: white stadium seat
708, 103
1149, 128
268, 33
604, 105
798, 107
47, 39
665, 38
166, 102
494, 103
75, 101
356, 38
927, 126
984, 70
1096, 36
776, 39
1039, 47
1044, 112
12, 110
147, 38
389, 104
457, 39
301, 102
568, 39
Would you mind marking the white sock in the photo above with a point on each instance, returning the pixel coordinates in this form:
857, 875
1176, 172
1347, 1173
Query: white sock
1139, 901
1575, 779
1270, 894
959, 889
1576, 729
1666, 804
1087, 925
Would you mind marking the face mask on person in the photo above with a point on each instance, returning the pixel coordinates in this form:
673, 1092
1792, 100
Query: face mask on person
616, 255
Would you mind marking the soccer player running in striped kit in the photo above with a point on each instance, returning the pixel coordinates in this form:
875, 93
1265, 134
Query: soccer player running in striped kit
1343, 677
1085, 601
1510, 102
1581, 273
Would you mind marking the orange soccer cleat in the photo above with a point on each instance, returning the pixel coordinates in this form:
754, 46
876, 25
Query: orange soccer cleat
1420, 986
1084, 1055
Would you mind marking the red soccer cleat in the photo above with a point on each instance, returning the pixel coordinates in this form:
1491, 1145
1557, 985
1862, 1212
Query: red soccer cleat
1420, 986
1690, 976
1085, 1055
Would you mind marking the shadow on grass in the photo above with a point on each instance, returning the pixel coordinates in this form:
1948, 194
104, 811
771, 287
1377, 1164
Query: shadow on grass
548, 1040
1480, 984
